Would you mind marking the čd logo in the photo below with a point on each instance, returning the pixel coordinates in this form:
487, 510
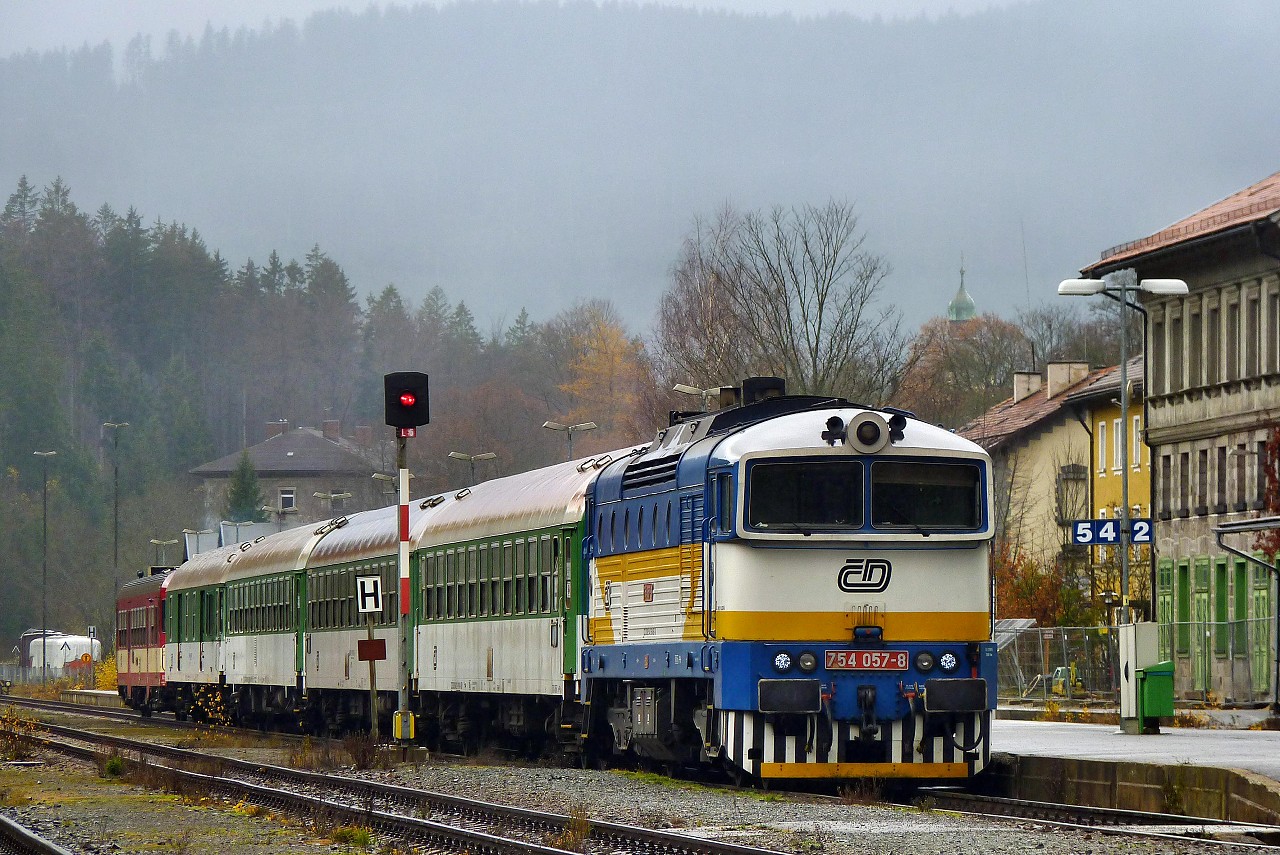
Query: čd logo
865, 575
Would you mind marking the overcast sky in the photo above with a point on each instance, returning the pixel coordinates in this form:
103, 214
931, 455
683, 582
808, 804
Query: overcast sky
44, 24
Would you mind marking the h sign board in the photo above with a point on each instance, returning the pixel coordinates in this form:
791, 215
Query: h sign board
1107, 532
369, 594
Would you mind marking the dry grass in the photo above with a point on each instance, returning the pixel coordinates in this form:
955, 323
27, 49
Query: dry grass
573, 837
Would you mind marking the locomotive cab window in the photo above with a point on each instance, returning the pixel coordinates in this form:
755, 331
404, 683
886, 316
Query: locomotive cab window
914, 496
806, 496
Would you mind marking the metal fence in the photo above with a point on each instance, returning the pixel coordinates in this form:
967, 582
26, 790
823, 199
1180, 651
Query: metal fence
1229, 662
18, 674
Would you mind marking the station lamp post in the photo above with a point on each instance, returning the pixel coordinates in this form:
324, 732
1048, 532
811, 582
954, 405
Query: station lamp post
570, 430
44, 566
472, 458
162, 550
1118, 286
331, 498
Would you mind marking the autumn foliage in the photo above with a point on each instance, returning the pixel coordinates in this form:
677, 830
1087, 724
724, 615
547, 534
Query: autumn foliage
1024, 589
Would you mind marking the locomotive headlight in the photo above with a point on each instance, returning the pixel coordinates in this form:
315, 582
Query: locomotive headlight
925, 661
782, 662
808, 662
869, 433
948, 662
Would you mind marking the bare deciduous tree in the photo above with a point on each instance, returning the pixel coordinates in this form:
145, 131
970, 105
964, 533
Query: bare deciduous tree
790, 293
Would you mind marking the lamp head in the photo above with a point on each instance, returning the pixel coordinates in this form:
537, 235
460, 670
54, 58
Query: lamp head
1165, 287
1080, 287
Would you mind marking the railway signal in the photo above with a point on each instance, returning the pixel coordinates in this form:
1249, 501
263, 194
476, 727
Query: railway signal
406, 398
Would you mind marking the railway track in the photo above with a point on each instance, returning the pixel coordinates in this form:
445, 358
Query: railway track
16, 839
437, 821
1105, 820
375, 805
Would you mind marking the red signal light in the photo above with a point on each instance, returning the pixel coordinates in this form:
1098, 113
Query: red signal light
408, 399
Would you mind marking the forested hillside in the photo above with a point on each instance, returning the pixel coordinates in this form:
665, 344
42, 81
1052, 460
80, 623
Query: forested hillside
105, 317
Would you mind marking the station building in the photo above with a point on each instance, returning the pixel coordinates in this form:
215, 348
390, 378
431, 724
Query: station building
1212, 397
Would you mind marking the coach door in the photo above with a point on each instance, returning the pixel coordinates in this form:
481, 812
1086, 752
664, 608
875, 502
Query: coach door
299, 623
568, 622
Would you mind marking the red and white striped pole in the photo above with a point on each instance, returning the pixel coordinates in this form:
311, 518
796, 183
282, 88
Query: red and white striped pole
404, 718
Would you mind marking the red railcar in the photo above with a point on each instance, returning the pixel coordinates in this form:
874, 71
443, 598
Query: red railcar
140, 642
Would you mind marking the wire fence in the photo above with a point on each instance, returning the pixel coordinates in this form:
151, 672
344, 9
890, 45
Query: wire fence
1228, 662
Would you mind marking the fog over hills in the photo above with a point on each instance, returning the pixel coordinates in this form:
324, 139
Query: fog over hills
534, 154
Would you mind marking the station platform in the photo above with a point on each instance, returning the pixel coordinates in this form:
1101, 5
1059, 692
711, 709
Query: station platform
1219, 772
93, 698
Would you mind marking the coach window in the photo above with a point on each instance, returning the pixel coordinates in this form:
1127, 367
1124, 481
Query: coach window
508, 578
482, 574
531, 581
473, 582
546, 565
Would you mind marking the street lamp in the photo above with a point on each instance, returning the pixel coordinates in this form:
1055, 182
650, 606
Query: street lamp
114, 427
44, 567
162, 553
190, 533
280, 513
569, 431
472, 458
1123, 282
331, 498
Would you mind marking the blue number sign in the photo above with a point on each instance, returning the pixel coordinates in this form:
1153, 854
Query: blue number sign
1107, 532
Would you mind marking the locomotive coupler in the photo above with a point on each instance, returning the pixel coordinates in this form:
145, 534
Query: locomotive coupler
867, 704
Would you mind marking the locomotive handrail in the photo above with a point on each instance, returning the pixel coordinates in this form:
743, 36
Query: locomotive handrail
588, 552
708, 579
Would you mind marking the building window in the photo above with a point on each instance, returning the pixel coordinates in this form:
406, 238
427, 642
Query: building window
1233, 342
1251, 338
1117, 445
1195, 334
1221, 506
1166, 486
288, 498
1260, 461
1273, 330
1156, 370
1240, 452
1211, 375
1202, 482
1175, 355
1136, 462
1102, 448
1184, 483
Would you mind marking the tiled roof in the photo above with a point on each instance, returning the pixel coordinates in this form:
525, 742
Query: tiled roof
1009, 419
303, 451
1106, 381
1253, 203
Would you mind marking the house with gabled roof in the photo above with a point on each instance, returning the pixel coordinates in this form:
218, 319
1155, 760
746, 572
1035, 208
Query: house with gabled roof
292, 466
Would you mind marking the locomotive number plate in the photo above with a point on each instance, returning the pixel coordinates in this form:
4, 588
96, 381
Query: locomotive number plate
867, 660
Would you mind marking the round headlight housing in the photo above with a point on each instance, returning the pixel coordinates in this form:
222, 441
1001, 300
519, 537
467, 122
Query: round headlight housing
808, 662
948, 662
925, 661
782, 662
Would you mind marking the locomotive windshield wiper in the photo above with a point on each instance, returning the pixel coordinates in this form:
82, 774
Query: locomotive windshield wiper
788, 526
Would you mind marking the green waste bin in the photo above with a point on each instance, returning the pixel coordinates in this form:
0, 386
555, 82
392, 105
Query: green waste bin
1155, 690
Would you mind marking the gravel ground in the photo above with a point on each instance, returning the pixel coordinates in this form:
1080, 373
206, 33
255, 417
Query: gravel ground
69, 803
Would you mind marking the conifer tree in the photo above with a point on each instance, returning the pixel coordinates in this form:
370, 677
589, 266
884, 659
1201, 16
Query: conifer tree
244, 496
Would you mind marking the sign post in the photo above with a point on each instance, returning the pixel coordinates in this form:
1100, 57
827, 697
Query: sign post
369, 601
407, 407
